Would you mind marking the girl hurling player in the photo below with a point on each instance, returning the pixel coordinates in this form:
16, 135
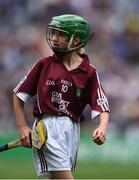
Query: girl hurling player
64, 84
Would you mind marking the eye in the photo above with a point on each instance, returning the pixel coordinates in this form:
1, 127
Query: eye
63, 34
53, 32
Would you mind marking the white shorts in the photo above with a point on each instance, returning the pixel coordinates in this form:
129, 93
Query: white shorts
60, 150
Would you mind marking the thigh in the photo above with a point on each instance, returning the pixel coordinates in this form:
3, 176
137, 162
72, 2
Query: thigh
62, 143
60, 152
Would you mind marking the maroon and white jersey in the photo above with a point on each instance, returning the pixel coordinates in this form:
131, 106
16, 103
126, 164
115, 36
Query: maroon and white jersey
62, 92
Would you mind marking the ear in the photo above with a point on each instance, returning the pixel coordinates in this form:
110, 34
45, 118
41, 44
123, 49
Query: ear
76, 41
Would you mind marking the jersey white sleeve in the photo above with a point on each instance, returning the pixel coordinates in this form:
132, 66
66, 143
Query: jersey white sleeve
98, 99
23, 96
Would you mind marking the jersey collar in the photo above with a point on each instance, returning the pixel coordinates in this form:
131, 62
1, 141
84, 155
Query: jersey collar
83, 66
85, 63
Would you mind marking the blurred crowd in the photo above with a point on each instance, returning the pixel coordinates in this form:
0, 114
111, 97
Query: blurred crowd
114, 50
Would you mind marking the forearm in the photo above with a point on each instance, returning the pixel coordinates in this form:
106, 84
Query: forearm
104, 120
24, 130
19, 111
99, 134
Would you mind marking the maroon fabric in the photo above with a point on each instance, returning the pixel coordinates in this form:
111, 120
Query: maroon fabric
63, 92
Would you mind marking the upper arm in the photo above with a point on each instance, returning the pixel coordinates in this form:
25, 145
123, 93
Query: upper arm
28, 85
18, 103
98, 100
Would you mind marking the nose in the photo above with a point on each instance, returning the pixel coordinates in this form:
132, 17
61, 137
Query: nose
55, 37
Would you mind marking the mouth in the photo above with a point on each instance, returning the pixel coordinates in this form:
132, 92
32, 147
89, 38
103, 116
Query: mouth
56, 45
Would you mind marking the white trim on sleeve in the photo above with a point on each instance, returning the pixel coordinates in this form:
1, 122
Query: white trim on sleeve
23, 96
94, 114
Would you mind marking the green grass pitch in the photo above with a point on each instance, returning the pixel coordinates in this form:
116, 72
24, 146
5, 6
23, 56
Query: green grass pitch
17, 164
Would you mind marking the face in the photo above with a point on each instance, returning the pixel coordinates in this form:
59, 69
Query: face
58, 39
